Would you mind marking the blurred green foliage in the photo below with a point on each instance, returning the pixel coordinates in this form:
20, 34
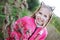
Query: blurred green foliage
32, 4
56, 22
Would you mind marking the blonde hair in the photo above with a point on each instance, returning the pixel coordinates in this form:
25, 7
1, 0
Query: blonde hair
44, 6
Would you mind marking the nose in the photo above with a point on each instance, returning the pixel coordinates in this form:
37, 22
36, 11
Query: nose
42, 18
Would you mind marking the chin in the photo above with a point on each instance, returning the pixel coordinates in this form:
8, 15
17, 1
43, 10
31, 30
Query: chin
41, 25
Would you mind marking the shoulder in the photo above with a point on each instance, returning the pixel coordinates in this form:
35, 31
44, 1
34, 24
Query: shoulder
25, 19
21, 19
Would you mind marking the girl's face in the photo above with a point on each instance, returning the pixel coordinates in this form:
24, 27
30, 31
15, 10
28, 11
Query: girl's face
42, 16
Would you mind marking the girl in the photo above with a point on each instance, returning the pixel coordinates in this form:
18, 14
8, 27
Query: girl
34, 27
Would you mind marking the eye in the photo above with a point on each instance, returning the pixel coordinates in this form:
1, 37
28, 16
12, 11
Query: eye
45, 16
40, 13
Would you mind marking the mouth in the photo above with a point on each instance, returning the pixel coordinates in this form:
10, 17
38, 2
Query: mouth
41, 23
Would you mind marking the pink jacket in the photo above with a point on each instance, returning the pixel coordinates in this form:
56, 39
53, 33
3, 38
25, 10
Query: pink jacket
28, 24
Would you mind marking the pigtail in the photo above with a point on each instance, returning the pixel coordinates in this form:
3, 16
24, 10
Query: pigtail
50, 18
33, 14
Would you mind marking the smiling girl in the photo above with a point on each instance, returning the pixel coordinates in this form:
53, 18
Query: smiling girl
33, 27
42, 17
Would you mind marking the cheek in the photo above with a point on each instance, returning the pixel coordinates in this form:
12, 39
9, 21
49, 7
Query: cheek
46, 20
38, 18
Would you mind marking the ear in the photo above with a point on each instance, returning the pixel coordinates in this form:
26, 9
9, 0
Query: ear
42, 4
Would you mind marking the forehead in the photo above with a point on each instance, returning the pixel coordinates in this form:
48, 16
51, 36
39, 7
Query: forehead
45, 11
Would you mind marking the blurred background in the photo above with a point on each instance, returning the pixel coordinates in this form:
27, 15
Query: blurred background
11, 10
